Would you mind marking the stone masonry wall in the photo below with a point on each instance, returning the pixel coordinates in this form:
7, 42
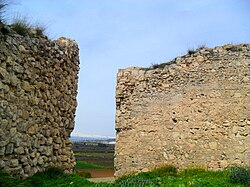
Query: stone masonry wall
38, 88
193, 111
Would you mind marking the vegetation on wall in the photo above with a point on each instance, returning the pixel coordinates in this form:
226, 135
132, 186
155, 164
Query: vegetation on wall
24, 27
20, 24
190, 51
3, 5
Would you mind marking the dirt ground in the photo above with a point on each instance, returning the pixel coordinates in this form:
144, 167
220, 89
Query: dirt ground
100, 173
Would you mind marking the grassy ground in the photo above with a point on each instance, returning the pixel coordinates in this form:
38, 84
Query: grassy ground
165, 176
51, 178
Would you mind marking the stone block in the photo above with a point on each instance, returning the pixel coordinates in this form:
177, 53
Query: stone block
2, 151
13, 163
9, 148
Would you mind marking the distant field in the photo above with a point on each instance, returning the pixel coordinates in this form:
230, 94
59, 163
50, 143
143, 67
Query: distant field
96, 158
95, 154
99, 158
87, 165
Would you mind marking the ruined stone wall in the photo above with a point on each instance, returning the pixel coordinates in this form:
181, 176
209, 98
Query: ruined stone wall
38, 88
194, 111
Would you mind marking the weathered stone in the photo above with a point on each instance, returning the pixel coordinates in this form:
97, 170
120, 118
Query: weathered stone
2, 151
19, 150
56, 146
49, 141
13, 163
33, 155
1, 86
2, 164
26, 86
25, 115
9, 148
34, 161
40, 161
213, 145
21, 48
193, 111
24, 159
14, 170
27, 169
33, 129
38, 88
10, 61
18, 68
4, 75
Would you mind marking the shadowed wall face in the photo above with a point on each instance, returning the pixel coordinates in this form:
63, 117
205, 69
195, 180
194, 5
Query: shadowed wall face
38, 88
194, 111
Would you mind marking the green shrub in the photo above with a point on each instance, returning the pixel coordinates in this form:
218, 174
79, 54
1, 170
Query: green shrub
40, 178
39, 28
53, 172
54, 177
135, 181
191, 51
239, 175
161, 66
3, 6
202, 46
192, 171
167, 170
21, 25
84, 174
6, 180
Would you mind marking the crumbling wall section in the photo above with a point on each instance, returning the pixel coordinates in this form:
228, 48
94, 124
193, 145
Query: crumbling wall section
38, 88
193, 111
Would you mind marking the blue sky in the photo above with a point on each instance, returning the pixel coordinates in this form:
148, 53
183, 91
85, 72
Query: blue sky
115, 34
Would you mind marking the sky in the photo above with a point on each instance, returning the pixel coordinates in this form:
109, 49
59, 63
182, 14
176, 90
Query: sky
116, 34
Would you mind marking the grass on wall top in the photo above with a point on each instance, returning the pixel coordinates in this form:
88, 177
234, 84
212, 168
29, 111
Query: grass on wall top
3, 6
21, 24
190, 51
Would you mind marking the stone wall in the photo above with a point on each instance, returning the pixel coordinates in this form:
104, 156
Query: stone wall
192, 111
38, 88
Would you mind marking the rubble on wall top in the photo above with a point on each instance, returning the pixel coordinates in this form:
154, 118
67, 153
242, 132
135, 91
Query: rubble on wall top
198, 54
7, 30
66, 42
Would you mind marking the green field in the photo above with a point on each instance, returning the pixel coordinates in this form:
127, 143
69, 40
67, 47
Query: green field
164, 176
94, 159
93, 152
87, 165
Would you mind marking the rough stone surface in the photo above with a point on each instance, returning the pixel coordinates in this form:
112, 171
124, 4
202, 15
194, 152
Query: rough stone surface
192, 111
38, 88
